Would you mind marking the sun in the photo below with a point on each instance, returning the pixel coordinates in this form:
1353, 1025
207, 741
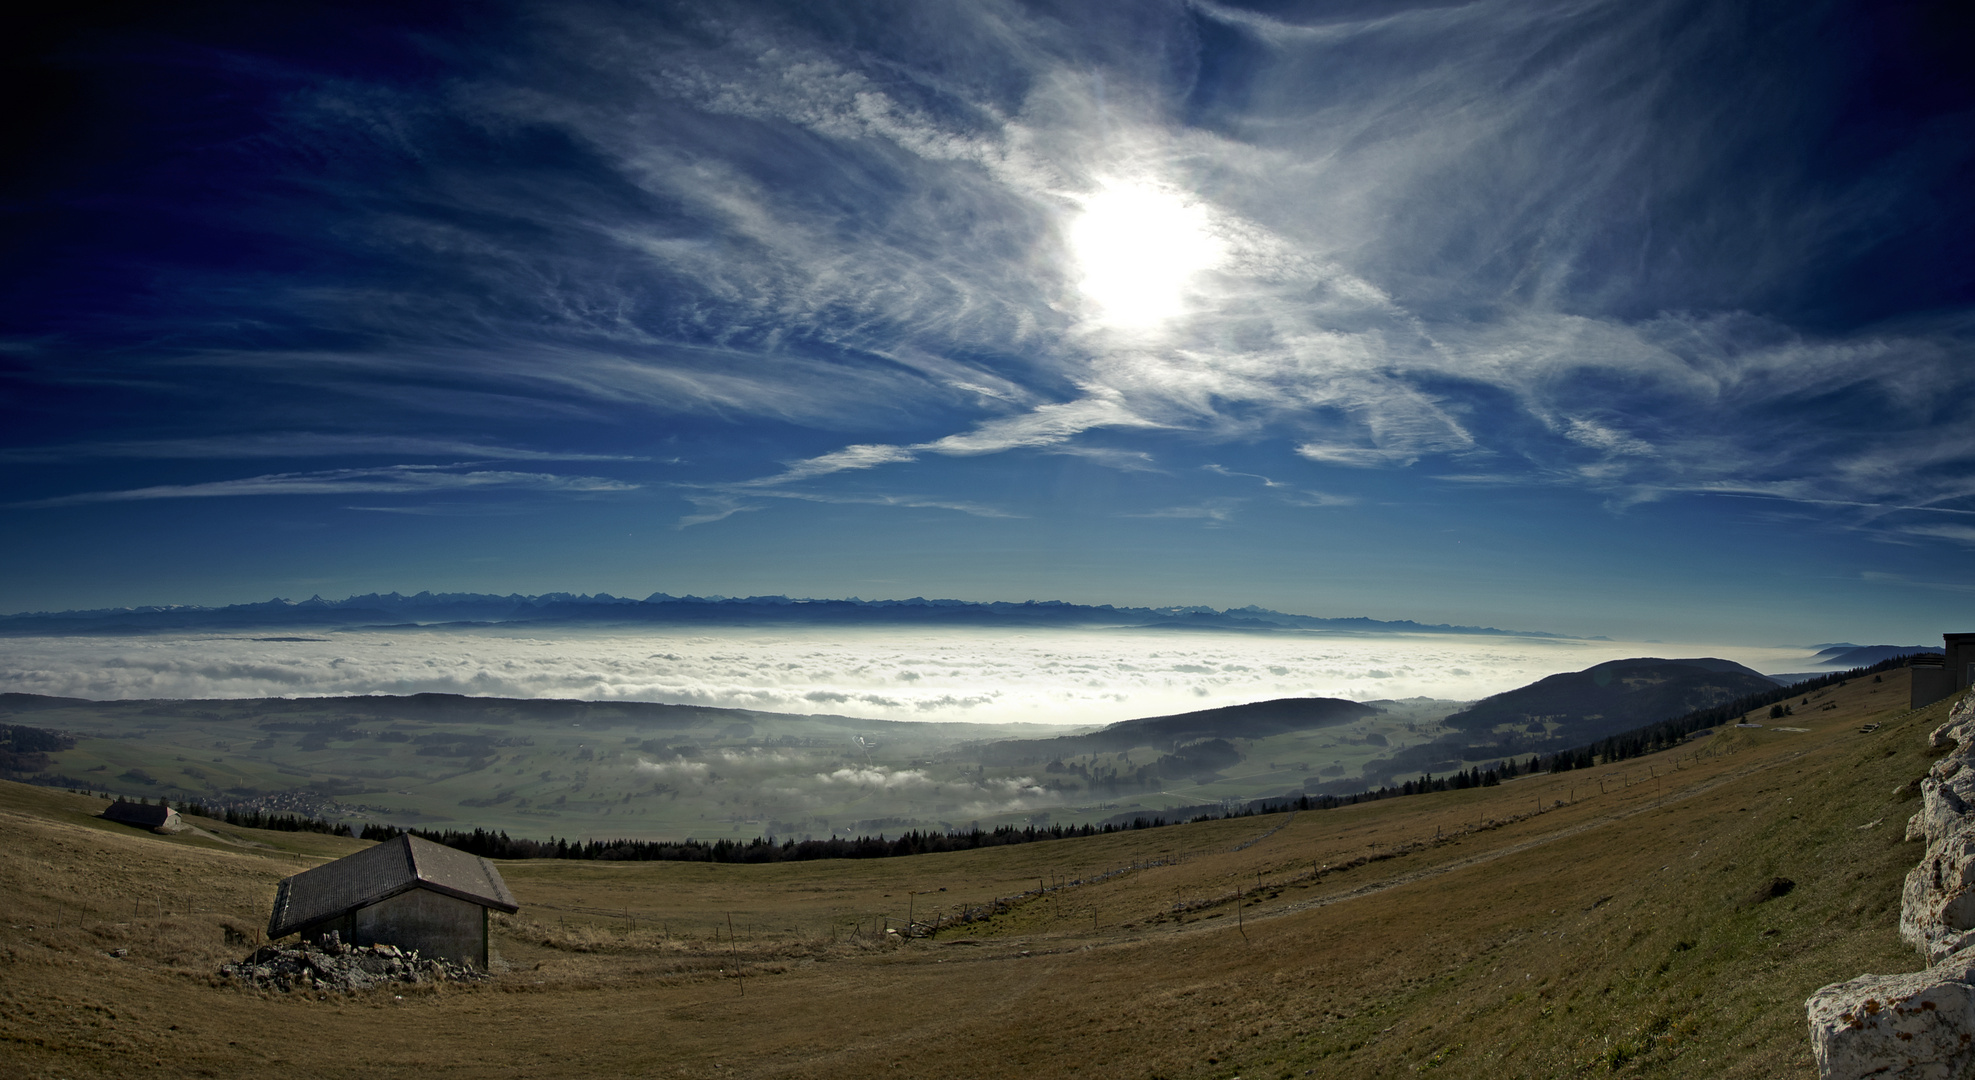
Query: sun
1138, 247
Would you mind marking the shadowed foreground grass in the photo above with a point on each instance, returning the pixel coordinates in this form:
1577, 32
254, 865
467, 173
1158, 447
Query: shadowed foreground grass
1664, 916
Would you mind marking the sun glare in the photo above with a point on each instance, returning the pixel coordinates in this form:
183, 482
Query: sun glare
1138, 247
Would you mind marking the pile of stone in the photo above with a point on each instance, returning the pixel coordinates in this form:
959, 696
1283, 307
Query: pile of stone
1922, 1024
332, 966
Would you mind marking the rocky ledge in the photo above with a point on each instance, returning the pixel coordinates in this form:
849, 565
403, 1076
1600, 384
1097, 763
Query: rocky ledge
1922, 1024
340, 968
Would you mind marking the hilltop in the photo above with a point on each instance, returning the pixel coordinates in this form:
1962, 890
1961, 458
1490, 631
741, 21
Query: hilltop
1662, 916
1252, 721
1605, 699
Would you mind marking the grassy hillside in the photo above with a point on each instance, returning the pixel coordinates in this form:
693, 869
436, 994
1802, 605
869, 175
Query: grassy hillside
1624, 920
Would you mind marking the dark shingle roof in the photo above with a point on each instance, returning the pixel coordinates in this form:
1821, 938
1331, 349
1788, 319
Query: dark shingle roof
131, 813
379, 873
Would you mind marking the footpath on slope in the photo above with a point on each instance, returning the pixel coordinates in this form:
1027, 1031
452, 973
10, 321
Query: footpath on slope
1425, 873
1240, 895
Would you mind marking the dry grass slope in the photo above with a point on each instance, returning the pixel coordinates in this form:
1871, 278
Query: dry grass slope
1618, 921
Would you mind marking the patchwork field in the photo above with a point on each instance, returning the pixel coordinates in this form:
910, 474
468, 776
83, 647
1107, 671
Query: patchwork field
1665, 916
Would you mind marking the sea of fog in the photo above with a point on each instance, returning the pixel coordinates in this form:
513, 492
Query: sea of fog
1039, 676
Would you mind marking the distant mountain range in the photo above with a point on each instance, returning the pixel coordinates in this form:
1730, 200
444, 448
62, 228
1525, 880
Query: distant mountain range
661, 609
1844, 656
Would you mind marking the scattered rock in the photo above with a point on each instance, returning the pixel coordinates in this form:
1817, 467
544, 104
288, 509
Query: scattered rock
340, 968
1922, 1024
1946, 737
1937, 907
1897, 1026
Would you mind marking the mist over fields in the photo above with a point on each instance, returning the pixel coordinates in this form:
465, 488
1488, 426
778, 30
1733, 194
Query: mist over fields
1057, 676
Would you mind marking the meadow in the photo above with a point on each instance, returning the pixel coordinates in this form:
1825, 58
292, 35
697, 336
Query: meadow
1663, 916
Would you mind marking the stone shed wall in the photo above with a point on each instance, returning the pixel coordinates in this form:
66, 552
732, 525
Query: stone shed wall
433, 923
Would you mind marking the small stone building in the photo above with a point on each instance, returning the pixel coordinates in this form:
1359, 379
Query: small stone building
1937, 677
159, 817
407, 892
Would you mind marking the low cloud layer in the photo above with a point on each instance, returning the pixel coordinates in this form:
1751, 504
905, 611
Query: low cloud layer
878, 776
1064, 677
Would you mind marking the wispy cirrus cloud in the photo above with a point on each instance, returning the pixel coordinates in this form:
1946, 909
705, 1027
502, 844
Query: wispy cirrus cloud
719, 504
965, 194
1222, 470
1964, 534
1044, 428
300, 444
1640, 250
1398, 380
394, 479
1211, 512
845, 460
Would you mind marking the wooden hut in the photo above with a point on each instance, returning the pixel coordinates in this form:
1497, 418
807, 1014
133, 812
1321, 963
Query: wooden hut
407, 892
157, 817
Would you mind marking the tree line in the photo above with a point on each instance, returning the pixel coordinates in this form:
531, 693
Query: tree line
499, 845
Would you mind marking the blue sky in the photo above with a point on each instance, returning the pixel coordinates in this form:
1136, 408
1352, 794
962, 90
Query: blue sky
1640, 319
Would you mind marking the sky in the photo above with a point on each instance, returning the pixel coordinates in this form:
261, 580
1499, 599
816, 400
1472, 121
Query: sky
1642, 319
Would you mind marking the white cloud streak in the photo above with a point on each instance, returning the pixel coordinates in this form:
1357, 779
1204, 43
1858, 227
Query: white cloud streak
1437, 236
300, 444
1311, 338
394, 479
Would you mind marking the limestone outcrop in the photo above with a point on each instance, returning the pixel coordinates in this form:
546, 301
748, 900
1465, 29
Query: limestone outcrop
338, 968
1922, 1024
1897, 1026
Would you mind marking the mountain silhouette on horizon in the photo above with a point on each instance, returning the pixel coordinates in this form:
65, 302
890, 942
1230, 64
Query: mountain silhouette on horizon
395, 611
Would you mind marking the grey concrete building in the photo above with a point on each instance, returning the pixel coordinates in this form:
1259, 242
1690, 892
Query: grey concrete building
1953, 672
407, 892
